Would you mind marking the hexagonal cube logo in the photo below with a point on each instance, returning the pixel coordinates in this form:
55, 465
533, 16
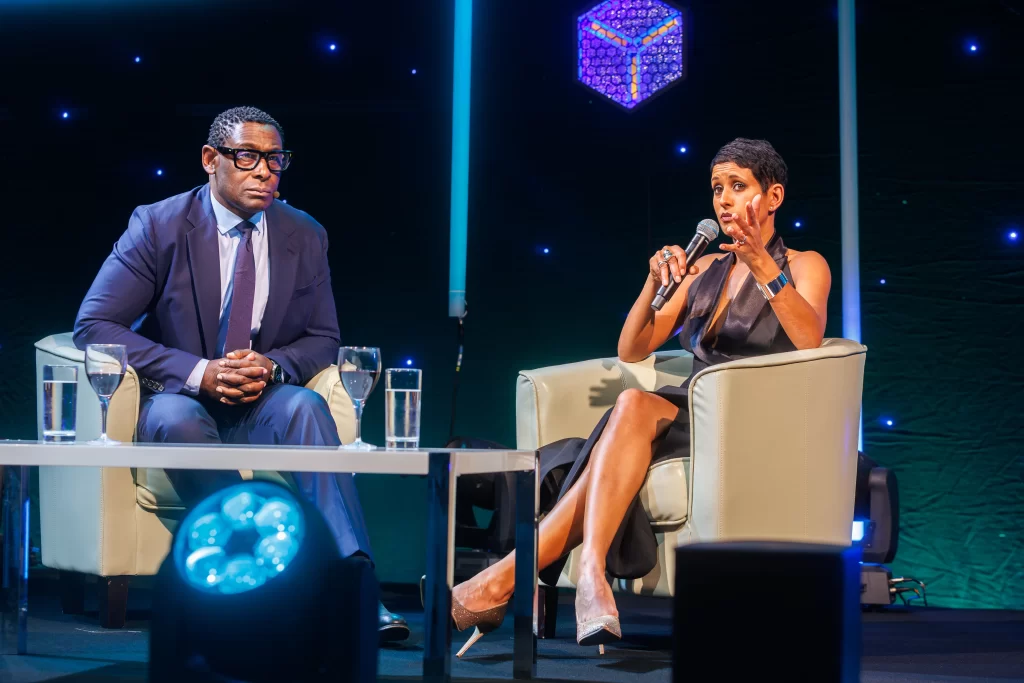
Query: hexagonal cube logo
630, 49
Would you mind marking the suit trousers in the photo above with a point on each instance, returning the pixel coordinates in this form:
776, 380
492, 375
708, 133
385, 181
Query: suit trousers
285, 415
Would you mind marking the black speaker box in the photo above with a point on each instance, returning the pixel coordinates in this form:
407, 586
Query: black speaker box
766, 611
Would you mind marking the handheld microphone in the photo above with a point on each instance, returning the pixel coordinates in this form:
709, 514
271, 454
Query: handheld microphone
707, 231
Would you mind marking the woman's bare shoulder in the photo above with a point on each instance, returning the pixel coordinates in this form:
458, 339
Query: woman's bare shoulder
806, 260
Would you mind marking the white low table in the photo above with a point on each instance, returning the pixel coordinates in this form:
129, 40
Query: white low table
442, 467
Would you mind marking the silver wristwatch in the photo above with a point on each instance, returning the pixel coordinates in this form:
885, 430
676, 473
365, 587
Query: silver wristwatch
773, 287
276, 373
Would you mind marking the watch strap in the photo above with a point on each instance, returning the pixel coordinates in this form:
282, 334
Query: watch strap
771, 288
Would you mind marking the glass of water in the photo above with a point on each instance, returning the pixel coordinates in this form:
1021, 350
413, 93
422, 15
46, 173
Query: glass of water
402, 407
359, 368
60, 390
105, 364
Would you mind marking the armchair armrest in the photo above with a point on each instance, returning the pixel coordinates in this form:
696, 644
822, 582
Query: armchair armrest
327, 383
87, 515
123, 414
564, 401
774, 446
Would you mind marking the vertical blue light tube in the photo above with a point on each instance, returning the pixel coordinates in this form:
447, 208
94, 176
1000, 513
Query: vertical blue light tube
848, 173
463, 69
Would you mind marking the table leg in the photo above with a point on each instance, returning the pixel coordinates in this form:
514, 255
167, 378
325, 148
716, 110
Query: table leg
15, 560
524, 658
437, 650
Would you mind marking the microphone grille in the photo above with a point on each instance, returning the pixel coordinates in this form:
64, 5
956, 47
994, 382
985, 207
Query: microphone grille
708, 228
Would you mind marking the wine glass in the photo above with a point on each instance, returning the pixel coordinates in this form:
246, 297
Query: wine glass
105, 364
359, 367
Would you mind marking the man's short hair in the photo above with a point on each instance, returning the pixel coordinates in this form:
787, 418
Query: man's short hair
757, 155
224, 125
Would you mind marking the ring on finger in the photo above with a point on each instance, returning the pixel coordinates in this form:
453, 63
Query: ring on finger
667, 255
742, 241
661, 263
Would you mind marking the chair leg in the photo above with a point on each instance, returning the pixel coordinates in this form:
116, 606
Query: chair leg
72, 592
113, 593
547, 611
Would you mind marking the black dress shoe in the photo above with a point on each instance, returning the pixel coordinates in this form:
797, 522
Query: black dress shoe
391, 628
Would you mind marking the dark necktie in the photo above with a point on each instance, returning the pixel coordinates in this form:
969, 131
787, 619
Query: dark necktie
243, 291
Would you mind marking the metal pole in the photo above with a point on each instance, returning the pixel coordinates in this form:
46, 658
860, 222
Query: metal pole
437, 645
460, 157
848, 172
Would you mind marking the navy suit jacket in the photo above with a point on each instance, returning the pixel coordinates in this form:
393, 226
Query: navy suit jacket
158, 293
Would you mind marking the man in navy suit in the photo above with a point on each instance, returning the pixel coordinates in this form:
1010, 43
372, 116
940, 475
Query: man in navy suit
223, 298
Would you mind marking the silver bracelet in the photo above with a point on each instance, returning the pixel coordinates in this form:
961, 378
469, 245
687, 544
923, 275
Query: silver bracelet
773, 287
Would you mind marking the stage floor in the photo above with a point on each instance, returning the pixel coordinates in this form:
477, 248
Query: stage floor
915, 645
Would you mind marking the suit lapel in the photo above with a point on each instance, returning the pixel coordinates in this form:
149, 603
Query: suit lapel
284, 258
204, 263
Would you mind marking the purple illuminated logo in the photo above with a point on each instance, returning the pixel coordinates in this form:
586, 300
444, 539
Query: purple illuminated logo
630, 49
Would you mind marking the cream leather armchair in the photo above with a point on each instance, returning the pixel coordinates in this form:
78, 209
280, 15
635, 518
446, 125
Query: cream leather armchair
773, 453
116, 523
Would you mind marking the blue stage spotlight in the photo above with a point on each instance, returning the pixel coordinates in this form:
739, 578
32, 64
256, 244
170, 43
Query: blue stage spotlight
408, 362
240, 542
64, 115
138, 60
682, 149
255, 566
798, 224
332, 47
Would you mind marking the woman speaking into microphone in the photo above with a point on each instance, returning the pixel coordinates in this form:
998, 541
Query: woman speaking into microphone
752, 298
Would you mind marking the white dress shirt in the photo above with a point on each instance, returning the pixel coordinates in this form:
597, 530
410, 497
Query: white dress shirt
228, 237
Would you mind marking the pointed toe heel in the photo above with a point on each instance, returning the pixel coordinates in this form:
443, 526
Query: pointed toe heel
482, 622
600, 631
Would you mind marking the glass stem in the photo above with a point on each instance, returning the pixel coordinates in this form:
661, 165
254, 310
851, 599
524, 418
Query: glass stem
359, 420
104, 404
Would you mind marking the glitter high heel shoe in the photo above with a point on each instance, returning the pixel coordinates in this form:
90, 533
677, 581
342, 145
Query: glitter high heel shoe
599, 631
484, 622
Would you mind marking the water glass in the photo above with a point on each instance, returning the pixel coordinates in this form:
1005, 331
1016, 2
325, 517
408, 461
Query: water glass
60, 390
402, 407
105, 365
359, 369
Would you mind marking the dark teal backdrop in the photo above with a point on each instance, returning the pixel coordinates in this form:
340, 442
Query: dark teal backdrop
554, 166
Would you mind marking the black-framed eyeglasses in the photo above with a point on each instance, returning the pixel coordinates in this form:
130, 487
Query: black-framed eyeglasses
248, 159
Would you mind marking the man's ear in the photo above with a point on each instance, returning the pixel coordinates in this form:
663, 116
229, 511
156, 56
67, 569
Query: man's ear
209, 159
774, 196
